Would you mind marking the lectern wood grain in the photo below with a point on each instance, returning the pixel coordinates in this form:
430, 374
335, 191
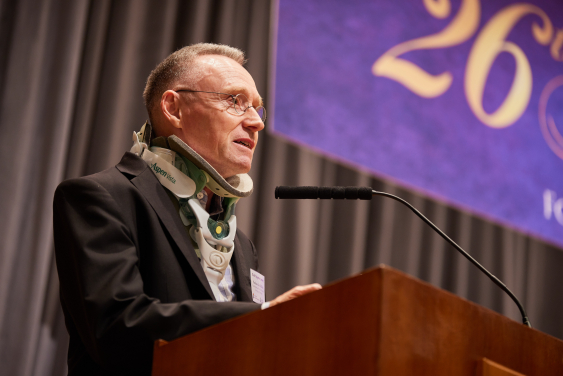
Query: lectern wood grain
381, 322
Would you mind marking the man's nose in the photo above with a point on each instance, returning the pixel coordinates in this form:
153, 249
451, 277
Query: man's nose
253, 120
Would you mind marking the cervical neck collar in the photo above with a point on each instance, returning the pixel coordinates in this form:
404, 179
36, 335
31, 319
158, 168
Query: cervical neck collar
236, 186
215, 247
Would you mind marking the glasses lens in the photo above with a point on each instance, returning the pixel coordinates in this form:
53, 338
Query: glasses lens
261, 112
241, 103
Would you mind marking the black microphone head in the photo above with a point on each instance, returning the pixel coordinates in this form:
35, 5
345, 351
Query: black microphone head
337, 193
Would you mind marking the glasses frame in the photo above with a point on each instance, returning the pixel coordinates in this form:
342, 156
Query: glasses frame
234, 97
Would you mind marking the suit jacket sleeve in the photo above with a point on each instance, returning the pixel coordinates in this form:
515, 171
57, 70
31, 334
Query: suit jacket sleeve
102, 289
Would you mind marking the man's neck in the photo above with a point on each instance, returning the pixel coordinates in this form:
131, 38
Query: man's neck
209, 198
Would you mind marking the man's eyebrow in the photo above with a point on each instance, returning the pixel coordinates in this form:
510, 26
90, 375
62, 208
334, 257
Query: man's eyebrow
236, 90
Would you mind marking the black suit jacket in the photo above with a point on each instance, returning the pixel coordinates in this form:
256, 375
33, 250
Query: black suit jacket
128, 272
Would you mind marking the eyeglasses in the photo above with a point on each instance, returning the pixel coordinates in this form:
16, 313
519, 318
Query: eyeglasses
240, 102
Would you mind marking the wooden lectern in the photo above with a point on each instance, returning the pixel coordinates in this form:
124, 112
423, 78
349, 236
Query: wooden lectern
381, 322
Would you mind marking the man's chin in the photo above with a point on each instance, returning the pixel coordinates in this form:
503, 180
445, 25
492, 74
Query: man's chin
240, 167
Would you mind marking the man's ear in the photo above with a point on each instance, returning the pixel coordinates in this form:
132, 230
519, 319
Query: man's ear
170, 106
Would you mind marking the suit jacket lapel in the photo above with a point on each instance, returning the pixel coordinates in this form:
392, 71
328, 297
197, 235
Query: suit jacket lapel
152, 190
242, 272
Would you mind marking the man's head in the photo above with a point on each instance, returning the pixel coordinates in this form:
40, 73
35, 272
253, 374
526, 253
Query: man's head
206, 122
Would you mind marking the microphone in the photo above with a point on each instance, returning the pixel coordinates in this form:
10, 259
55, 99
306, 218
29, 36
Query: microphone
362, 193
337, 193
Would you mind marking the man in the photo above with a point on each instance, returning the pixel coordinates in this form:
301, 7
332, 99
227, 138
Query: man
136, 244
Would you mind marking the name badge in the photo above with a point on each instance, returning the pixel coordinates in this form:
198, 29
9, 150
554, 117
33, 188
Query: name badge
257, 283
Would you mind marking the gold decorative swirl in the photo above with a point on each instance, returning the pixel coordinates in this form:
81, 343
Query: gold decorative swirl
548, 128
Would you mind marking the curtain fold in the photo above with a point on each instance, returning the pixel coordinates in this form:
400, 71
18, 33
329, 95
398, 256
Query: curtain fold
72, 75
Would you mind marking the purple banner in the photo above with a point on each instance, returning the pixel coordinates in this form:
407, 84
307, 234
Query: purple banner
462, 100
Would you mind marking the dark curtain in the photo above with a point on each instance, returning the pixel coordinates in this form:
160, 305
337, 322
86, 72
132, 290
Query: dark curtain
72, 74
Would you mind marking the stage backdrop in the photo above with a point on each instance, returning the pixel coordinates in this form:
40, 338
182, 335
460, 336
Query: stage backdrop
460, 99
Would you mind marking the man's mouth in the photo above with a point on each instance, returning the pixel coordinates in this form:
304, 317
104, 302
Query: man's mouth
248, 144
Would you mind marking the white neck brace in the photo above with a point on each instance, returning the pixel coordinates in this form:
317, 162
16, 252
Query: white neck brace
213, 261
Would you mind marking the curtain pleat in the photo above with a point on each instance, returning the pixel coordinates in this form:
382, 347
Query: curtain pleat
72, 75
36, 110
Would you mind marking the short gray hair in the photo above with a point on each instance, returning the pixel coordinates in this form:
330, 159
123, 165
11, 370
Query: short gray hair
180, 66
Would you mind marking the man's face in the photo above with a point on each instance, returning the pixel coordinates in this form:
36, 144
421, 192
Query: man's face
210, 126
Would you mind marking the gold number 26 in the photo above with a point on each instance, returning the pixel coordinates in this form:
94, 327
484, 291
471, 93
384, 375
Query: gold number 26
490, 42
